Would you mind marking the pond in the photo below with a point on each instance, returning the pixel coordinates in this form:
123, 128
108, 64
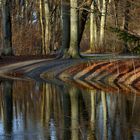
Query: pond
32, 110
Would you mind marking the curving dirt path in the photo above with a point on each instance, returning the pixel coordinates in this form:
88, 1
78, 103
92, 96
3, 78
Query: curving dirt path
109, 73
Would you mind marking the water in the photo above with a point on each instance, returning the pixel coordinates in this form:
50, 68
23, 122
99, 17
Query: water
41, 111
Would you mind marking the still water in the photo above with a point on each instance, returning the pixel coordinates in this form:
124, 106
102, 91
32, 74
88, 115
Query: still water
41, 111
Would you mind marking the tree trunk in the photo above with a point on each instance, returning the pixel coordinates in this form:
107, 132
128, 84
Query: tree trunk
65, 15
74, 29
7, 28
83, 19
126, 22
47, 27
102, 24
42, 27
116, 13
93, 29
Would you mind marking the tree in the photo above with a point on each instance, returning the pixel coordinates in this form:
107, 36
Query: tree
83, 18
102, 23
74, 29
42, 28
47, 26
7, 27
126, 17
93, 27
65, 23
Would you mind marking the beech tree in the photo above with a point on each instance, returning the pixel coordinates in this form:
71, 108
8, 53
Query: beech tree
103, 21
74, 29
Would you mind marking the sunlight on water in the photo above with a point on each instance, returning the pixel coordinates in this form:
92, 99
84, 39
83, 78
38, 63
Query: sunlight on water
40, 111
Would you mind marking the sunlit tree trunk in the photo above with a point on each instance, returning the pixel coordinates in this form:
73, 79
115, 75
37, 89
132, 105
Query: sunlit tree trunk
7, 28
93, 29
74, 29
102, 23
47, 26
42, 27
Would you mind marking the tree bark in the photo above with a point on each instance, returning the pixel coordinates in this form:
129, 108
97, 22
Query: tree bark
83, 19
47, 27
7, 28
126, 22
65, 21
102, 24
42, 27
93, 28
74, 29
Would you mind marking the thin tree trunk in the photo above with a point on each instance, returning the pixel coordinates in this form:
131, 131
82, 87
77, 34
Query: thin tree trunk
47, 27
104, 103
126, 22
116, 13
42, 27
92, 28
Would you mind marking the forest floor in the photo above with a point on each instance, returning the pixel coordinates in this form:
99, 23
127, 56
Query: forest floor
6, 60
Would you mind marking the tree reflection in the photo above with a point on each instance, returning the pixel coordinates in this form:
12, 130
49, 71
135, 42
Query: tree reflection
104, 104
91, 135
59, 112
74, 113
7, 105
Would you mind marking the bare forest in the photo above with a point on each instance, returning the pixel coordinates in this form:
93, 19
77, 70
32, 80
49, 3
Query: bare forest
69, 27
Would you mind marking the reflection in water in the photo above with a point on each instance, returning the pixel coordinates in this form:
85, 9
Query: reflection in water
34, 111
7, 106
